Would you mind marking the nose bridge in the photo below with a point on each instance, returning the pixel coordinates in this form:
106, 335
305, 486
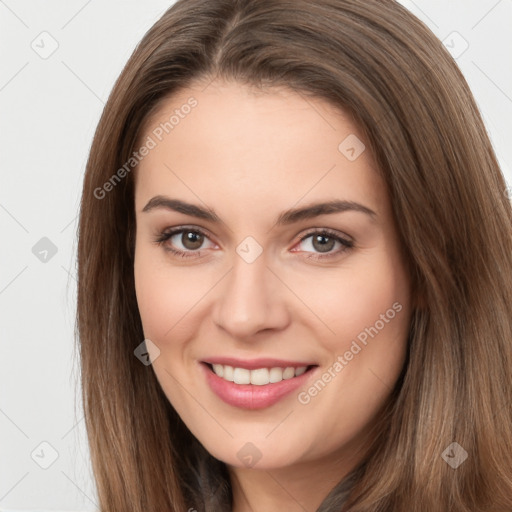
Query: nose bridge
250, 299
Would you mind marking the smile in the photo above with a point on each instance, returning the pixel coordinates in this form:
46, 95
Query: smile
255, 384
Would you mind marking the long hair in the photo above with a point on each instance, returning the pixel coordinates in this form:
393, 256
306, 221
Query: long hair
376, 61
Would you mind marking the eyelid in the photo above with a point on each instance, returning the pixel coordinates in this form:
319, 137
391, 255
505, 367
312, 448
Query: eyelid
168, 233
347, 243
327, 231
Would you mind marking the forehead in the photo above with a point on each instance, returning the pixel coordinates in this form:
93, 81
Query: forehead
255, 148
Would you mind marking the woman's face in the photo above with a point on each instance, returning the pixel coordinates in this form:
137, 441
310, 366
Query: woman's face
282, 322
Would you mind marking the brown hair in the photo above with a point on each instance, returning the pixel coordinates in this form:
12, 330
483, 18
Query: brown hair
375, 60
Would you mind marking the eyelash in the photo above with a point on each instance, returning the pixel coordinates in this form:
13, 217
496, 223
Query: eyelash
164, 236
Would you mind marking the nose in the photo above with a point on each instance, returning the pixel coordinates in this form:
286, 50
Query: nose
251, 299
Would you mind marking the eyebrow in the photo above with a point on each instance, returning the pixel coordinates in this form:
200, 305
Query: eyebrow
285, 218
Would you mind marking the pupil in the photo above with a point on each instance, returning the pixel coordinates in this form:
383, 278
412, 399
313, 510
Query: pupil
192, 240
323, 247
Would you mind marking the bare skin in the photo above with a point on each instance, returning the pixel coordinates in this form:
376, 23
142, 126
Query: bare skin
249, 157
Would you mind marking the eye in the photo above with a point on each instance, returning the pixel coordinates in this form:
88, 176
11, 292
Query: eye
188, 242
183, 241
324, 241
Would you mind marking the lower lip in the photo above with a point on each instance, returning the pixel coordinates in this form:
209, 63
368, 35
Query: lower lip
250, 396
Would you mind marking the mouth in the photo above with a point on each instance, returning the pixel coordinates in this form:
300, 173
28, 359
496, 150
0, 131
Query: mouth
255, 384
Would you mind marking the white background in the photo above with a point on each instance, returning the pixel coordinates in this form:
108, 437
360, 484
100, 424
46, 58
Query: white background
49, 111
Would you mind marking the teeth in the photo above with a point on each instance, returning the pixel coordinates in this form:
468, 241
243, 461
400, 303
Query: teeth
289, 373
276, 375
242, 376
218, 369
300, 371
259, 376
228, 373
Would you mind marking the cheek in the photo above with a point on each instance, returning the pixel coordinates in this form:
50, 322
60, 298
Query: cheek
161, 298
375, 325
169, 298
350, 302
367, 312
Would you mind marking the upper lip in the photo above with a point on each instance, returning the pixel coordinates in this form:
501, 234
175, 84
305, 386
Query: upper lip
253, 364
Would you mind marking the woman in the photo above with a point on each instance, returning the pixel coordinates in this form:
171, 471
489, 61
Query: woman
295, 275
